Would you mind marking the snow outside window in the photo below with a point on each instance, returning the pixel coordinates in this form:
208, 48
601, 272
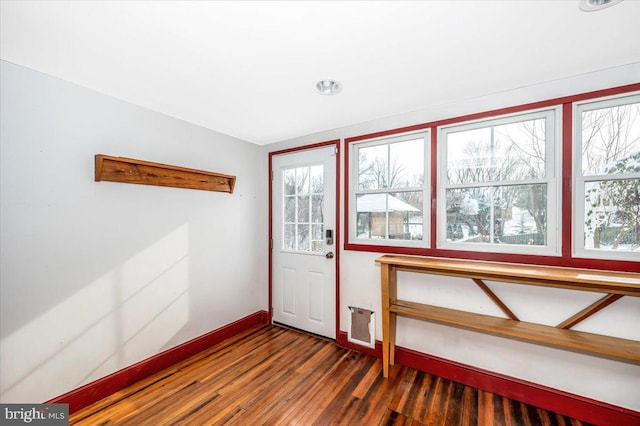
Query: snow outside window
389, 191
498, 186
607, 178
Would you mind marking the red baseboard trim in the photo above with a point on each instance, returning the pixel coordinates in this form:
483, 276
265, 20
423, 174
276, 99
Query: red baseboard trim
565, 403
344, 343
105, 386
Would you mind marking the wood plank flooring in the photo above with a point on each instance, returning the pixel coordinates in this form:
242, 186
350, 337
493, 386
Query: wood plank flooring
275, 376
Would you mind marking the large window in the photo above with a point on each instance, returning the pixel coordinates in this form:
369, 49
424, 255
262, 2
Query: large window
556, 182
607, 178
497, 184
389, 191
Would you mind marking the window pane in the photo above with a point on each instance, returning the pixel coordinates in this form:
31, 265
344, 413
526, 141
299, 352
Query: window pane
316, 208
302, 180
289, 181
371, 215
396, 216
289, 237
395, 165
317, 179
498, 215
303, 238
509, 152
317, 241
405, 216
289, 209
372, 167
612, 215
300, 208
303, 208
407, 164
390, 190
609, 136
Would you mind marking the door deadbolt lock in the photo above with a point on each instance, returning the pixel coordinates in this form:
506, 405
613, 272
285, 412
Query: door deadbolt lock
328, 235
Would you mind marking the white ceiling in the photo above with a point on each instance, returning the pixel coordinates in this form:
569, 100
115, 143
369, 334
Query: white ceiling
248, 69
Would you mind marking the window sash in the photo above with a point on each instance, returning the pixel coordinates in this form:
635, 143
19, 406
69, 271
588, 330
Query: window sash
551, 179
355, 192
581, 180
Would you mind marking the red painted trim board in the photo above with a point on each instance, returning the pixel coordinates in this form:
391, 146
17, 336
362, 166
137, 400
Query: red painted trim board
270, 241
337, 240
565, 403
105, 386
343, 342
567, 180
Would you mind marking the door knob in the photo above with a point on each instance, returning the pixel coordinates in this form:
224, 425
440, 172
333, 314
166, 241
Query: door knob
329, 255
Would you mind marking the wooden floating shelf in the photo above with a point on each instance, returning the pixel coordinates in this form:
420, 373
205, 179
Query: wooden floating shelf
128, 170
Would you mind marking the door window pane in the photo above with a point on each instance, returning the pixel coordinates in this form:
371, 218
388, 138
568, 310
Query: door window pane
303, 209
303, 238
302, 180
289, 181
302, 205
316, 208
289, 209
289, 237
317, 179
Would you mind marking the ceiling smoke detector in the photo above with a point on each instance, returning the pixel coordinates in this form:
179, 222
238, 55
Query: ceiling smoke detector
593, 5
328, 87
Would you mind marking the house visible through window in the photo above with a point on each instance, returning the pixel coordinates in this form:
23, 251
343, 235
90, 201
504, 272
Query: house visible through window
498, 186
390, 190
607, 178
558, 184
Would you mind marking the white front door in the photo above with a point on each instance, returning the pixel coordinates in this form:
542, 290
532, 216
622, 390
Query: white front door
303, 229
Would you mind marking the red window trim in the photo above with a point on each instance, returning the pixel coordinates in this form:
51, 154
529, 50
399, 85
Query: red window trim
566, 258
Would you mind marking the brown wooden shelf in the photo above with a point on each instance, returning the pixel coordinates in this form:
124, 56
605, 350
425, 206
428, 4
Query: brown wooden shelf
128, 170
615, 284
610, 347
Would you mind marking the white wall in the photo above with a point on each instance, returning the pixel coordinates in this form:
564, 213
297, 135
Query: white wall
96, 276
605, 380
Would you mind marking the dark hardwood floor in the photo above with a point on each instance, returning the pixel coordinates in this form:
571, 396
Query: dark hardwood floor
276, 376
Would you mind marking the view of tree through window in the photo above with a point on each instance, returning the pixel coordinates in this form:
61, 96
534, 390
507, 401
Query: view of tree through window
390, 190
303, 196
497, 178
503, 185
610, 139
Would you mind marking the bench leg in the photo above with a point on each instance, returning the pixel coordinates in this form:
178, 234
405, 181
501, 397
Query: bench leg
392, 338
385, 272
